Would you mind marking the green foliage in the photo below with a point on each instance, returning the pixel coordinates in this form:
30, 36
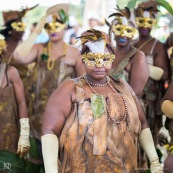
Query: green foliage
166, 5
131, 4
97, 105
64, 17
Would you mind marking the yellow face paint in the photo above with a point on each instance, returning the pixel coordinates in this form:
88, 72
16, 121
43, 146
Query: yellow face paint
145, 22
18, 26
98, 59
55, 27
124, 31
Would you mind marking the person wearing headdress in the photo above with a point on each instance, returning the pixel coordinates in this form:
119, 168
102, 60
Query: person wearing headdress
158, 63
55, 61
130, 62
14, 121
98, 121
13, 31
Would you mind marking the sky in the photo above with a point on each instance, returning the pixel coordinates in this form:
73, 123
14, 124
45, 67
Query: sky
16, 4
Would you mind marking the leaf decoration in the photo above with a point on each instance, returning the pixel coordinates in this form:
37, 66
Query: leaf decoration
107, 23
166, 5
97, 105
125, 12
64, 18
131, 4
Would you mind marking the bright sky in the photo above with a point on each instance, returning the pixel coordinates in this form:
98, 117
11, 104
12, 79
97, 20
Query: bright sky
16, 4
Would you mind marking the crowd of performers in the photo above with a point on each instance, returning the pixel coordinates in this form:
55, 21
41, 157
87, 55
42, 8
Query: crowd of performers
94, 110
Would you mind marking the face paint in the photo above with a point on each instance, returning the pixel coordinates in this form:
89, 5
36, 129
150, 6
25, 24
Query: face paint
124, 30
98, 59
122, 40
18, 26
55, 27
145, 22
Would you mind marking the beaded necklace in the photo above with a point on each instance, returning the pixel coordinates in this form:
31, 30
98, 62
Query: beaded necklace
107, 108
51, 62
94, 84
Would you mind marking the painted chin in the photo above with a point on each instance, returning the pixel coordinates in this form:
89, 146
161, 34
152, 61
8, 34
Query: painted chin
144, 31
53, 35
122, 40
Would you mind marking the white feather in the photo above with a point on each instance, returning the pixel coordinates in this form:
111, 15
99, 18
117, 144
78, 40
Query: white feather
97, 46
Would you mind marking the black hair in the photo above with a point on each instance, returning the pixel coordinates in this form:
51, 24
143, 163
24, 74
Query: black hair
8, 28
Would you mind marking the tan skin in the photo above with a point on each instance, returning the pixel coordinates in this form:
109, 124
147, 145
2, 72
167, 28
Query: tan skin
137, 66
14, 79
65, 96
159, 53
72, 56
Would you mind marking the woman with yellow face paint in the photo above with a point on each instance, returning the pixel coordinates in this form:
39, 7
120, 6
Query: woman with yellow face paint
98, 121
158, 62
130, 63
55, 62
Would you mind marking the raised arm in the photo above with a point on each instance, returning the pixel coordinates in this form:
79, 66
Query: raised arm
57, 110
14, 79
139, 73
31, 57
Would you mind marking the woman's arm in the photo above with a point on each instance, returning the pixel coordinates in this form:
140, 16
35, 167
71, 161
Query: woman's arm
139, 73
57, 110
14, 79
30, 57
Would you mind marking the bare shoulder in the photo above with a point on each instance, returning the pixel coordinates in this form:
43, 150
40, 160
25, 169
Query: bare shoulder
159, 45
139, 57
66, 89
13, 74
73, 50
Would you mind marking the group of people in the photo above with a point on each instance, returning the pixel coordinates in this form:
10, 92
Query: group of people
98, 109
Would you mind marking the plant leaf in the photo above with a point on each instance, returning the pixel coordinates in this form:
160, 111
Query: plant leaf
166, 5
131, 4
97, 105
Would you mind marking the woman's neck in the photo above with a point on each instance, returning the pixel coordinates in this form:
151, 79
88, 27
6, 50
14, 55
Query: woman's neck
98, 81
144, 38
57, 44
123, 49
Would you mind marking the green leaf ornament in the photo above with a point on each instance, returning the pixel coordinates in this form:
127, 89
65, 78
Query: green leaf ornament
97, 105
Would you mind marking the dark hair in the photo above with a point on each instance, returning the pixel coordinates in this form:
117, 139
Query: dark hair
85, 49
8, 28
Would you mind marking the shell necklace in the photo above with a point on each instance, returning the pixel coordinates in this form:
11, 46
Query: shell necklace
107, 108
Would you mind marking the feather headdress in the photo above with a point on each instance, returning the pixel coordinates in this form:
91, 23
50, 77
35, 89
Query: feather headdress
147, 9
122, 16
58, 13
95, 40
11, 15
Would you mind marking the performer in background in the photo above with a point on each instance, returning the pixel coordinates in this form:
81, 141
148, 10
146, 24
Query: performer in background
130, 63
158, 63
14, 121
55, 61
